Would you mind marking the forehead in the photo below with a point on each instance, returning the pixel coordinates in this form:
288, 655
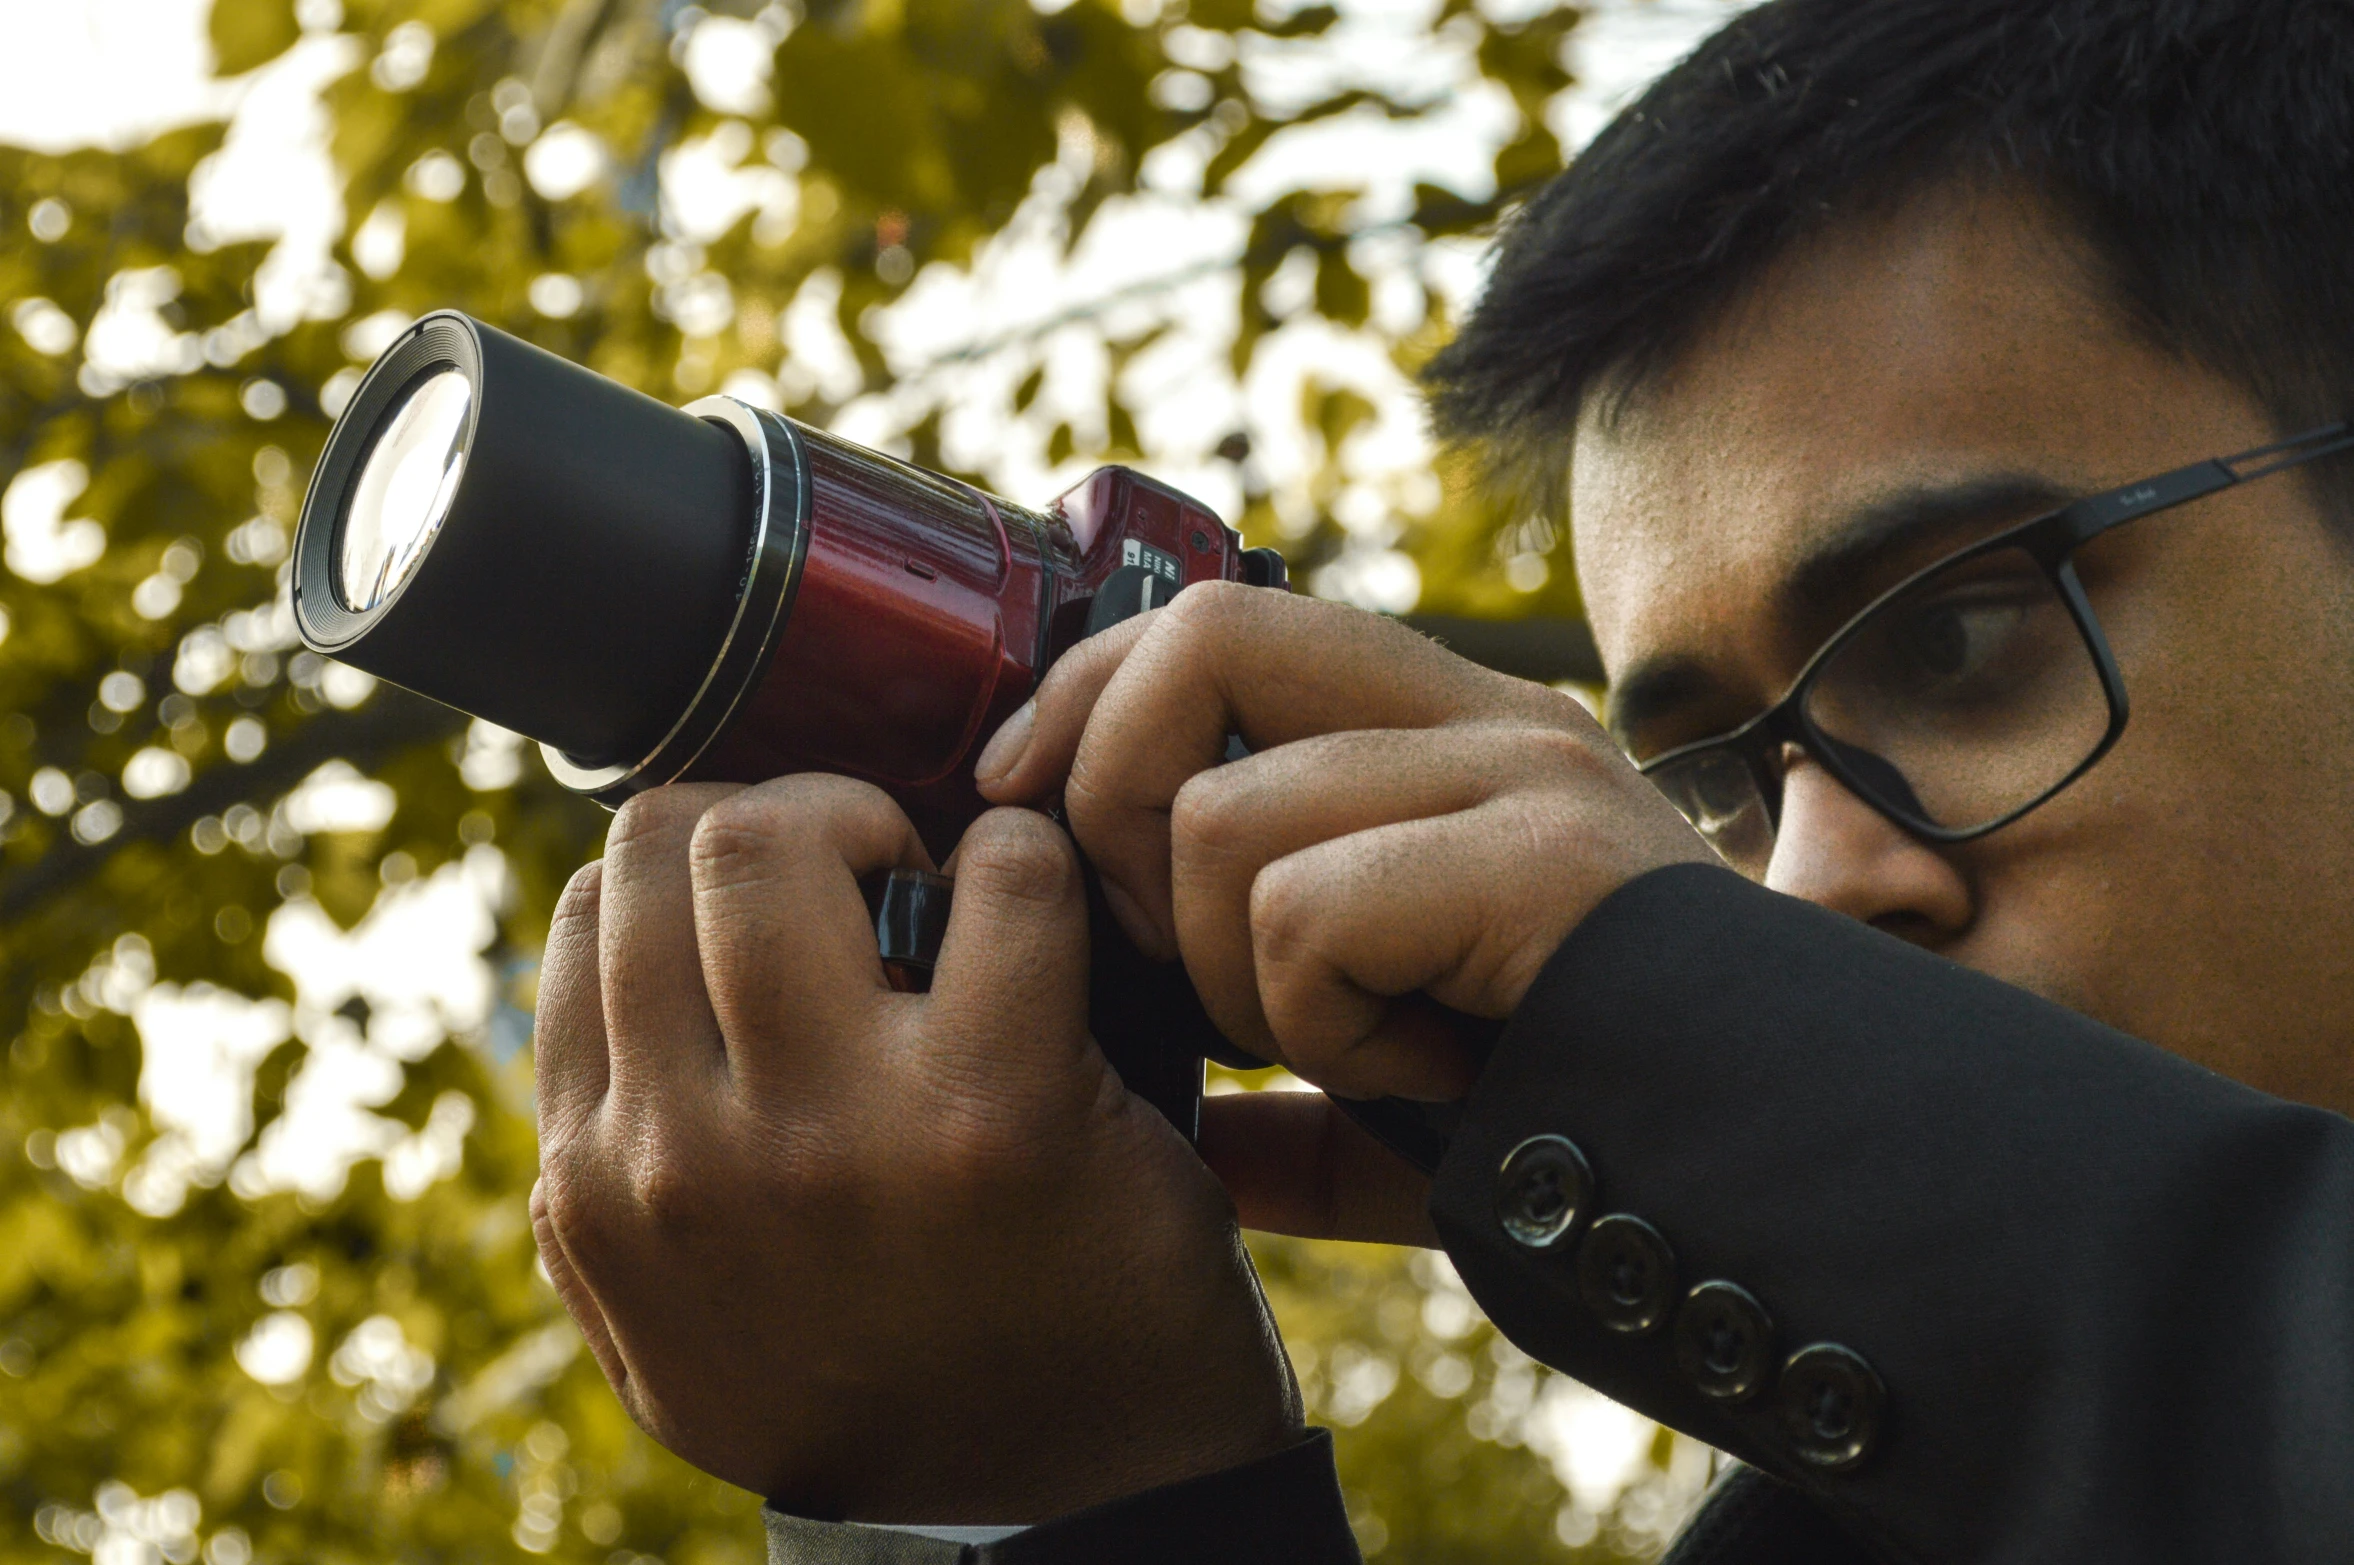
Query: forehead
1953, 340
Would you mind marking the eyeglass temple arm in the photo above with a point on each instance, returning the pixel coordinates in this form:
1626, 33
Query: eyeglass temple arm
2098, 513
2309, 446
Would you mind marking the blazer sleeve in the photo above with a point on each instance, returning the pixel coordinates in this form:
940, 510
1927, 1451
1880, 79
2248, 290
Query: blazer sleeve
1984, 1280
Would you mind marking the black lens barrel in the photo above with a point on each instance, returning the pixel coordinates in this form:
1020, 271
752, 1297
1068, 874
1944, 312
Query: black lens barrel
589, 567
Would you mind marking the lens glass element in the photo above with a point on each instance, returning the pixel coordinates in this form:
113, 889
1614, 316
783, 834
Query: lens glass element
405, 490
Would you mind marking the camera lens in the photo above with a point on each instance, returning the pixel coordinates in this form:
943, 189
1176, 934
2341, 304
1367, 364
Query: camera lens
405, 489
533, 543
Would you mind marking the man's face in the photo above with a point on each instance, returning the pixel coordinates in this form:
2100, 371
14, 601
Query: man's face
2196, 888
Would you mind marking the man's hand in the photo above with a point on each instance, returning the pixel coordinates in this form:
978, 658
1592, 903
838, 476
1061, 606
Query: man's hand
877, 1255
1411, 831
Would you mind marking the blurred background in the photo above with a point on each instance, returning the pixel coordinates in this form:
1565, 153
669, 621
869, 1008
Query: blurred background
269, 931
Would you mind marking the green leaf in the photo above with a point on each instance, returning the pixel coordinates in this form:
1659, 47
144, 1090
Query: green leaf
247, 33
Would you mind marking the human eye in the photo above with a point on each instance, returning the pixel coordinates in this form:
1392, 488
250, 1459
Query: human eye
1964, 639
1955, 643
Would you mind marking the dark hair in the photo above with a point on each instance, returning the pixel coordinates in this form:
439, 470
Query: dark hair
2202, 149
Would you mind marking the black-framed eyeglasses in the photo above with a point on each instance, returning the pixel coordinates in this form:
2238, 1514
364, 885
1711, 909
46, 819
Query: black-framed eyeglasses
1964, 696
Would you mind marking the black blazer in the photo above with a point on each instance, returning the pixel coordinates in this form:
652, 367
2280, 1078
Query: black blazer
1961, 1276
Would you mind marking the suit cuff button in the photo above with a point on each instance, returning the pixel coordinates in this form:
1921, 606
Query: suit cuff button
1724, 1342
1542, 1193
1626, 1274
1831, 1406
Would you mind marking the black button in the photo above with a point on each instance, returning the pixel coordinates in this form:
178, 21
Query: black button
1626, 1274
1831, 1402
1543, 1191
1724, 1341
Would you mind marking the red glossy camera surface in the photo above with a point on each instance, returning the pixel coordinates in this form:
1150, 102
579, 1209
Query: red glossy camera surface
926, 612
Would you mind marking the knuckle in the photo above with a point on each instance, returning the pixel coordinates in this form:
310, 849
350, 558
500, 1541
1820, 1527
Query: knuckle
1089, 801
1198, 618
1558, 706
1103, 790
582, 895
751, 833
735, 841
574, 1211
1017, 856
659, 815
1281, 917
666, 1192
1553, 751
643, 817
1207, 605
558, 1191
1546, 707
1212, 816
816, 794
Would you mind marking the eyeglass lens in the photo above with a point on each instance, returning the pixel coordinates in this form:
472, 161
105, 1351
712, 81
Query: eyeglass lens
1966, 699
1719, 795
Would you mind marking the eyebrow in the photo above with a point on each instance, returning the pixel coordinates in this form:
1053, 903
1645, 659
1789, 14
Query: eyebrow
1821, 588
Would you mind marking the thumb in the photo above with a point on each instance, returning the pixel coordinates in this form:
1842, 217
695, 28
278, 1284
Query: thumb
1013, 965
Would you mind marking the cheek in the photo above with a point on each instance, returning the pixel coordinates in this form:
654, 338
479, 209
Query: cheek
2095, 901
2161, 896
2115, 869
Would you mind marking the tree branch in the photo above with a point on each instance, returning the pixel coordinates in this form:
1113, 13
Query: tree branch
392, 720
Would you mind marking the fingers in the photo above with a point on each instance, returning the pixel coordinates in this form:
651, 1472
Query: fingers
569, 1065
1449, 907
664, 1036
1295, 1164
1016, 948
786, 947
1230, 822
1274, 669
1026, 760
569, 1061
1286, 666
574, 1292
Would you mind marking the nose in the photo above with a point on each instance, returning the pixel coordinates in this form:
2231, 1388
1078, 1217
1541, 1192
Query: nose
1838, 852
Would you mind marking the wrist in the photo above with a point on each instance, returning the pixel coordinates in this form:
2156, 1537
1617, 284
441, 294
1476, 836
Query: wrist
1202, 1387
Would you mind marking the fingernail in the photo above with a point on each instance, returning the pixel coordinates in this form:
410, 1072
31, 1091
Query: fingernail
1005, 747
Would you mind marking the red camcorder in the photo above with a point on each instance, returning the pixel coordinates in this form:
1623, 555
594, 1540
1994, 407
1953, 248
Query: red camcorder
723, 594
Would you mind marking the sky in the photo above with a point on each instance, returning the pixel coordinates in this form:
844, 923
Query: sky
109, 73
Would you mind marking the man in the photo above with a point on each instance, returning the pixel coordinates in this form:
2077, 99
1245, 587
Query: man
1894, 1206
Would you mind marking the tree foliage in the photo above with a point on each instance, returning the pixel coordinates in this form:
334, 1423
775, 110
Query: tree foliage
318, 1334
